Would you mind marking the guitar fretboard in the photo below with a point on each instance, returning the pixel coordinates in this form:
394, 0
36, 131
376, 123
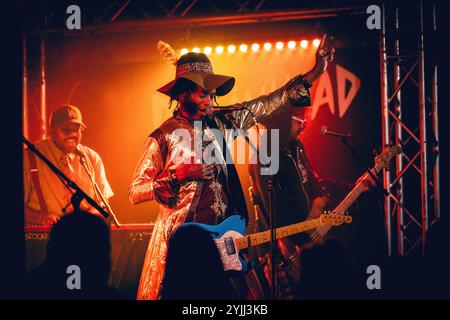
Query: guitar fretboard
282, 232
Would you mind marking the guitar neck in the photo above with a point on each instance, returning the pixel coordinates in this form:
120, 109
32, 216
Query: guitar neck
345, 204
282, 232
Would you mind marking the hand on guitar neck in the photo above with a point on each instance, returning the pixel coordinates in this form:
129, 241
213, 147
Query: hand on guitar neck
319, 203
366, 181
317, 208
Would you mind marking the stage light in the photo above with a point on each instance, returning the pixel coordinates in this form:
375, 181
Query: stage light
207, 50
255, 47
291, 44
231, 48
219, 49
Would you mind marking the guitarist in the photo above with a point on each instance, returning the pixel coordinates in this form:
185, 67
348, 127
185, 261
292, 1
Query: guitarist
195, 191
299, 194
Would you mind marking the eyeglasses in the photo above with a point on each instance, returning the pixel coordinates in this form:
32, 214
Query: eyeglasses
71, 129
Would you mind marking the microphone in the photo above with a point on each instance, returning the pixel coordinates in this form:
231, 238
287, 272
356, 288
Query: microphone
227, 109
324, 131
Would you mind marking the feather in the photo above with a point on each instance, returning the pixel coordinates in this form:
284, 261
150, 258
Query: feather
167, 52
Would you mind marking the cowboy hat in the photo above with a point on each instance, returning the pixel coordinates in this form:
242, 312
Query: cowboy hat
197, 68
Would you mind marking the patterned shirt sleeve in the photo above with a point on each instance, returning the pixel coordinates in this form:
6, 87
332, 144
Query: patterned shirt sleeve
150, 180
295, 93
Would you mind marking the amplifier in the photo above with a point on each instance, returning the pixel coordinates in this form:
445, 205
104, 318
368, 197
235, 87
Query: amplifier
128, 243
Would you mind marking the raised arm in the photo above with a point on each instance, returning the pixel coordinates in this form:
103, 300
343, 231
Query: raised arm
295, 92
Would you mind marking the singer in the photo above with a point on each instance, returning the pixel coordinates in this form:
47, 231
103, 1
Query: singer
205, 193
46, 197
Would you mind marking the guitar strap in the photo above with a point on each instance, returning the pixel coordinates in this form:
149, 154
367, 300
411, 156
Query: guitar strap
257, 205
34, 173
233, 185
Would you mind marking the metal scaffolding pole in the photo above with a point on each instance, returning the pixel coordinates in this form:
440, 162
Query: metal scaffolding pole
43, 105
398, 138
423, 131
435, 124
385, 128
24, 88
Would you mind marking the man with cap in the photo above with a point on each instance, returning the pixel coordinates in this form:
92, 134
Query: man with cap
46, 197
199, 192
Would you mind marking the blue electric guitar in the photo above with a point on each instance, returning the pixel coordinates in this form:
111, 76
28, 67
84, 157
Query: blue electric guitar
230, 240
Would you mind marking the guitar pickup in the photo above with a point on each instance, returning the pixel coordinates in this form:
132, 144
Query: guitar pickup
229, 246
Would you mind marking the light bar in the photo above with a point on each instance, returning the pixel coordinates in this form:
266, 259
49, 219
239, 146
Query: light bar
255, 47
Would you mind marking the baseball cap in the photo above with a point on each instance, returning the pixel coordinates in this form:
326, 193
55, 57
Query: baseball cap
65, 113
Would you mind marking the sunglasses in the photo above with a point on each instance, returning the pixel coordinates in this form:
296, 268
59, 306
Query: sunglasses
71, 129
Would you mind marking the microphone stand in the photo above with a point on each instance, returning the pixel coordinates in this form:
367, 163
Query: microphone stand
79, 194
99, 192
270, 182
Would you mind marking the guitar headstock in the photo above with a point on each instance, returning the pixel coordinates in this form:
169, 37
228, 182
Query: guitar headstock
383, 159
334, 219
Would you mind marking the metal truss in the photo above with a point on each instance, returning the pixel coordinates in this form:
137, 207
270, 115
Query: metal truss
413, 125
179, 8
34, 92
49, 14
